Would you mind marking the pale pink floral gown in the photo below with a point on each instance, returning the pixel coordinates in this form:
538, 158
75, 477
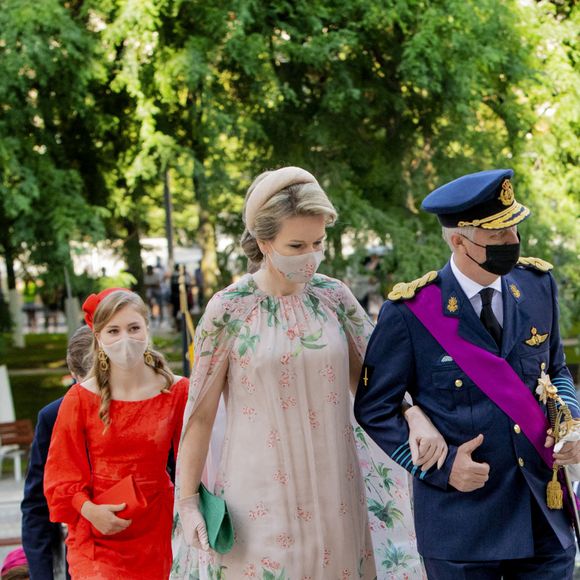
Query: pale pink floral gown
289, 468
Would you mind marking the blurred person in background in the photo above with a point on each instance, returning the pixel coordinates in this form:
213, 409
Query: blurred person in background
153, 279
15, 566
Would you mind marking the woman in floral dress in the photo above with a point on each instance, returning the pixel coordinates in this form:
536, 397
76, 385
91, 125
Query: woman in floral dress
283, 345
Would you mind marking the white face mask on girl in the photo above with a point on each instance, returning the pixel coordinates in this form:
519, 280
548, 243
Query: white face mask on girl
298, 269
125, 352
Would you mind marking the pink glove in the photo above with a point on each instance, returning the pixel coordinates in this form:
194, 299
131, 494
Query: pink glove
192, 522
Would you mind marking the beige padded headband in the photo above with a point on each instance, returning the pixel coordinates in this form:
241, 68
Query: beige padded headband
270, 186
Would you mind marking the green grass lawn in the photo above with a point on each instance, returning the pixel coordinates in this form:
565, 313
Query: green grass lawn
41, 351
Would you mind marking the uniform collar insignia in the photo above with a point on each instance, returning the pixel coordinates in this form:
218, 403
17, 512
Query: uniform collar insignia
536, 339
515, 291
452, 304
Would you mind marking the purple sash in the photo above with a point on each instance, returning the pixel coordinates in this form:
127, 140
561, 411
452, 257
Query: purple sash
491, 373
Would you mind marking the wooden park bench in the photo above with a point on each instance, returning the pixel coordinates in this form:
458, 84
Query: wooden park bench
15, 440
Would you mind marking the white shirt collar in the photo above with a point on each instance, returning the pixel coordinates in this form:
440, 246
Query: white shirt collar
469, 286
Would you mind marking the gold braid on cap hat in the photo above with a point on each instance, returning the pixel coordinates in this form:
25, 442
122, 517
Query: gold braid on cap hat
269, 186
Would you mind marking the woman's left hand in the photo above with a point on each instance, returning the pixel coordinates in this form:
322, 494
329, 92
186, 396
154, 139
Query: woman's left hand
427, 445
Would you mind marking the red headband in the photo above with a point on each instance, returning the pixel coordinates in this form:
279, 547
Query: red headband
91, 303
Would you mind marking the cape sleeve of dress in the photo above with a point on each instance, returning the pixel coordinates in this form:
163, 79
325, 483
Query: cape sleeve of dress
387, 484
181, 387
67, 473
215, 334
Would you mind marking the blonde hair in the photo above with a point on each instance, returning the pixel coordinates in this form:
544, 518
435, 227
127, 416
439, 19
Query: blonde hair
111, 305
298, 199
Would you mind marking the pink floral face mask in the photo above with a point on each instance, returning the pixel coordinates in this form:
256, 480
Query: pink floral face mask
298, 269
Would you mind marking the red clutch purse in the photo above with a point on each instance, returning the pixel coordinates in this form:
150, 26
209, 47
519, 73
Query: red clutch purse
125, 491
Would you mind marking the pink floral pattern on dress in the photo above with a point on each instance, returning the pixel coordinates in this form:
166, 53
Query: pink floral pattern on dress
260, 511
285, 540
333, 398
250, 413
350, 472
328, 373
313, 418
250, 387
270, 564
287, 403
303, 514
273, 438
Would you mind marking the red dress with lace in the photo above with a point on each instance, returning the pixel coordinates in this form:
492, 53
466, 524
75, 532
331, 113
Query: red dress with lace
84, 460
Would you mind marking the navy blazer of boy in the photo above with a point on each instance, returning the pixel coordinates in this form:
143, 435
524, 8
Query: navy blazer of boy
41, 539
500, 520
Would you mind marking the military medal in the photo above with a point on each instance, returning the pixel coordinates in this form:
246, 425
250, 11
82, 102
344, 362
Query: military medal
535, 338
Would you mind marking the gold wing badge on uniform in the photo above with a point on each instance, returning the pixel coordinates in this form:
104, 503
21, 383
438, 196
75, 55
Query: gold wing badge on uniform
536, 339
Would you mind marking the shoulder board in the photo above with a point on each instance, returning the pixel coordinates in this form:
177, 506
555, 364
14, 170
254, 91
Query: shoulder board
406, 290
536, 263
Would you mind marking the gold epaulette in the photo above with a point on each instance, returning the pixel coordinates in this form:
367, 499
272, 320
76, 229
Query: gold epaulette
536, 263
406, 290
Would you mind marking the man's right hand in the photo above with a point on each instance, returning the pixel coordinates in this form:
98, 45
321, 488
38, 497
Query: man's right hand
466, 474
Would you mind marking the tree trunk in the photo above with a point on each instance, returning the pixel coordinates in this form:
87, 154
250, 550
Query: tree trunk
168, 220
335, 244
14, 301
133, 251
206, 233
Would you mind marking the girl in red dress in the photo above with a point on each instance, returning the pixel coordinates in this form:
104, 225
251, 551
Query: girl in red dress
117, 426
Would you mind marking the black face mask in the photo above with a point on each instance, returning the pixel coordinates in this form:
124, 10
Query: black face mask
499, 259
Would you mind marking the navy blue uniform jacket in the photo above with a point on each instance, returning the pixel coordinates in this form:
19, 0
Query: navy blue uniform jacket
492, 523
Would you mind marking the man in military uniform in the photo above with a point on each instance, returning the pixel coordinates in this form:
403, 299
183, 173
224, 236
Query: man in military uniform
469, 343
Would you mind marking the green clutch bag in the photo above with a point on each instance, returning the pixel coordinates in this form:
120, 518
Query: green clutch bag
218, 522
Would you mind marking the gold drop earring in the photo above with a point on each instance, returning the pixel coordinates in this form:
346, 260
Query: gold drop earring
103, 361
148, 358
